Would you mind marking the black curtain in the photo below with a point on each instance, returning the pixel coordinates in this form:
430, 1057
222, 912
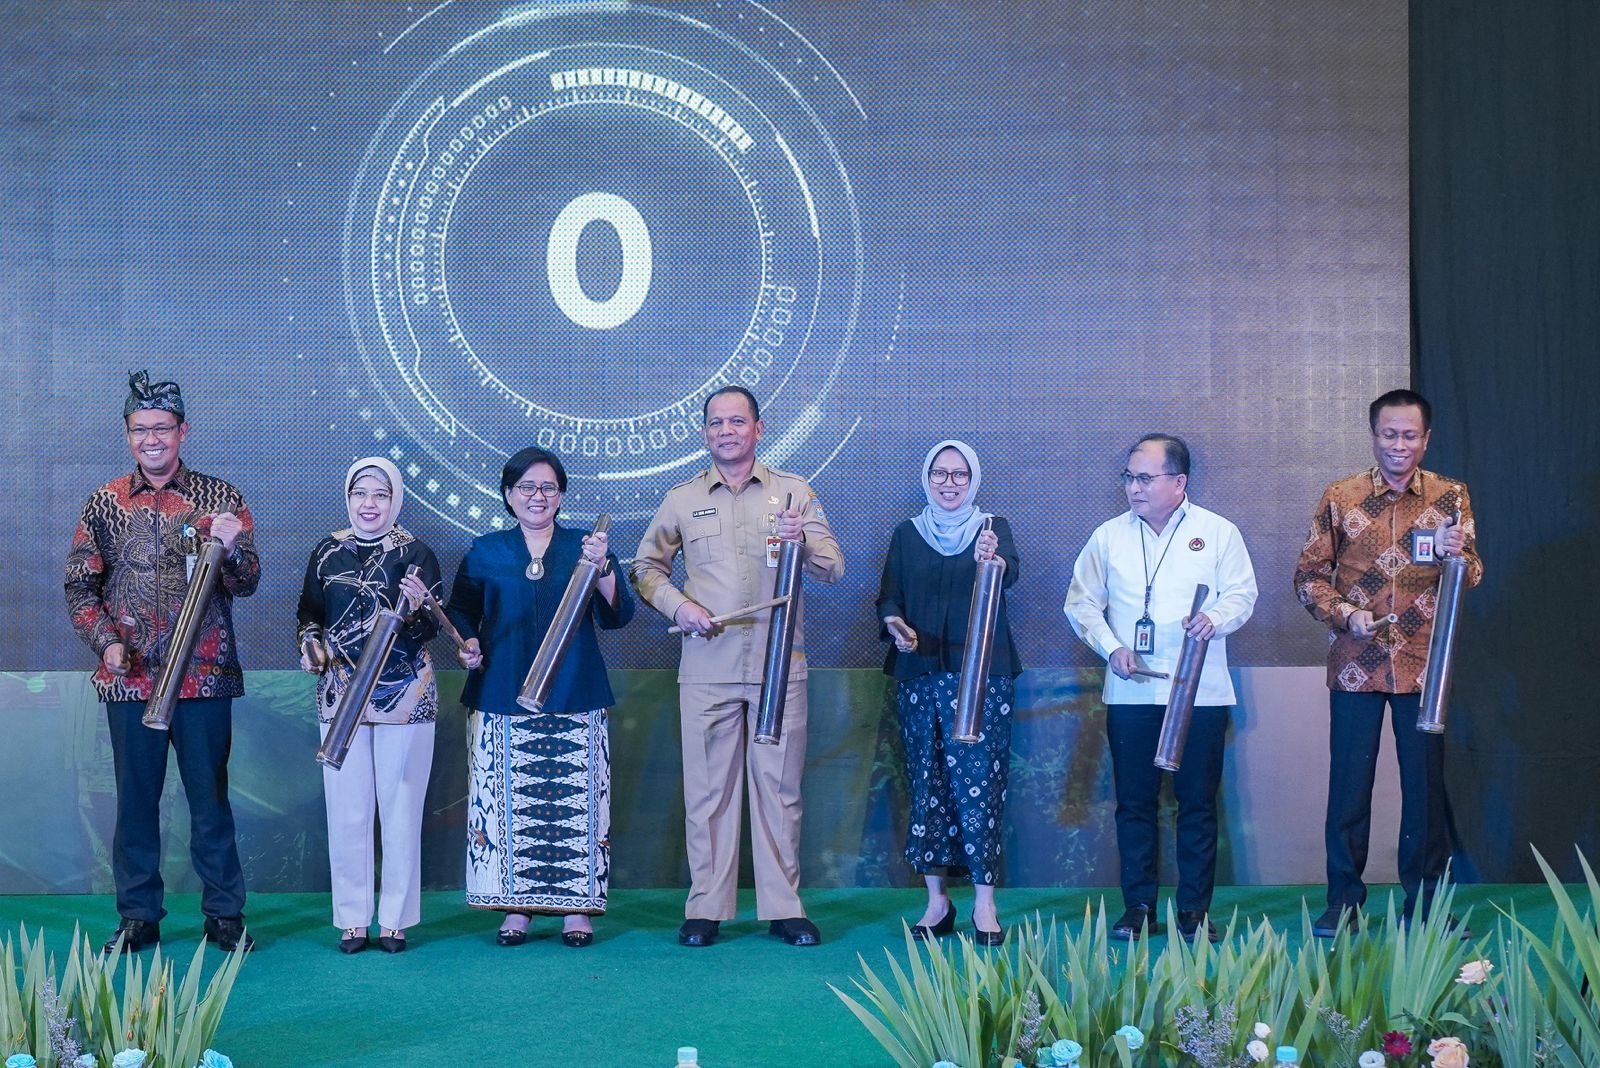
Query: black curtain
1505, 286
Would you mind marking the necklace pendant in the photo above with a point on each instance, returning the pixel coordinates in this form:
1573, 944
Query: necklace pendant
535, 570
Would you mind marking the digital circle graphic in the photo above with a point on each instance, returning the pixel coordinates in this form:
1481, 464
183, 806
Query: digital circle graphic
577, 221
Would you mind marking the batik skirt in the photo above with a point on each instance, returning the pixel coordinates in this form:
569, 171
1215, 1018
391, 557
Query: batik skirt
958, 789
539, 812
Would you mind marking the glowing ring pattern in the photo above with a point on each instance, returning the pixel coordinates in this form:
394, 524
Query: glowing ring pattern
451, 414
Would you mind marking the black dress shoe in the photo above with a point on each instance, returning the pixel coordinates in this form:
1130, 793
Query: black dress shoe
354, 940
1332, 919
798, 931
391, 944
135, 935
980, 937
1189, 921
698, 932
577, 939
924, 932
510, 936
227, 933
1136, 922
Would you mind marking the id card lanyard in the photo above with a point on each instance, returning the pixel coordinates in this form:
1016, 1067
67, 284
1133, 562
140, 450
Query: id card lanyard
1144, 630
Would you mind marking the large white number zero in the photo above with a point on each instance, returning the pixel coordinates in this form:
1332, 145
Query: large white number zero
561, 261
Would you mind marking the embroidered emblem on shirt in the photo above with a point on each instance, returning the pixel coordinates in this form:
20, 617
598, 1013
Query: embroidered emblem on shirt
1196, 544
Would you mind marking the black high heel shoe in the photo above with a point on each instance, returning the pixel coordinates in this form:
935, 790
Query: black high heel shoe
987, 938
923, 932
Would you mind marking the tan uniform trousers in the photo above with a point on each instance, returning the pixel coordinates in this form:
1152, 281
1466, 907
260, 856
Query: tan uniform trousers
719, 749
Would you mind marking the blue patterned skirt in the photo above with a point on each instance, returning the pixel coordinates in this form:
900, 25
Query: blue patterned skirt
958, 789
539, 812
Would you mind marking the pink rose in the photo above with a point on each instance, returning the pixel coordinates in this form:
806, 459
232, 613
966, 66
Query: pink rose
1448, 1053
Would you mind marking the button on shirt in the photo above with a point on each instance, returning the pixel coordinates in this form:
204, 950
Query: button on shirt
722, 535
1107, 597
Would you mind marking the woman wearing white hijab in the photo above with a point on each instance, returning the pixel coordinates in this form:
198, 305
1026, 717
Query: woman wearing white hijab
354, 573
957, 789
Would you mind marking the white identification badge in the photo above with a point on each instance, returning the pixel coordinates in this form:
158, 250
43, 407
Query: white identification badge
1422, 547
1144, 636
774, 546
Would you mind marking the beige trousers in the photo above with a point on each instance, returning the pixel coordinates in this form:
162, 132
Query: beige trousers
385, 775
719, 751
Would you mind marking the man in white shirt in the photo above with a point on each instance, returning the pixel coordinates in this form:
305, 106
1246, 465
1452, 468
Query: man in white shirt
1132, 590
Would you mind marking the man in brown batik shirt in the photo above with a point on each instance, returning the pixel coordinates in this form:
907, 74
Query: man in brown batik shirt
1360, 566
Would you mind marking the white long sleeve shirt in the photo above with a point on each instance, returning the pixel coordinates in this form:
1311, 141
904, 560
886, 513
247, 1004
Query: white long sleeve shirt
1107, 597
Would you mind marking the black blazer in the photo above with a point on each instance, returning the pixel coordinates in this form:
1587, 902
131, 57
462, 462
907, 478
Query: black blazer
933, 593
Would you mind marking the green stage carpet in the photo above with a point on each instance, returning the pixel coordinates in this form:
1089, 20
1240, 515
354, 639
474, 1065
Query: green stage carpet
455, 999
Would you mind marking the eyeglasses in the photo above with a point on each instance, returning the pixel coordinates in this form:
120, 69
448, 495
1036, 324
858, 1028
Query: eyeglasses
1128, 478
939, 476
537, 489
164, 431
371, 495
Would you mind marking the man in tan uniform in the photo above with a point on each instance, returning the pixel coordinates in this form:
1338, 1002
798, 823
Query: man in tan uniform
729, 521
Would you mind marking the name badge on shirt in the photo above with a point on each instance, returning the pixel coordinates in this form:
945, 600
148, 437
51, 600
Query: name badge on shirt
1422, 547
774, 546
1144, 636
191, 538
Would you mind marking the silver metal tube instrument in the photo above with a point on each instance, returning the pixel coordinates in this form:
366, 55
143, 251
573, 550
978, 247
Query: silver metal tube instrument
180, 647
976, 656
1185, 684
570, 614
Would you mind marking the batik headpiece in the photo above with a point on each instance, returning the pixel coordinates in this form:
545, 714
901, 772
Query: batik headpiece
145, 395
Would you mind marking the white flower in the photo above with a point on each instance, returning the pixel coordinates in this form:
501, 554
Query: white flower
1257, 1050
1263, 1032
1371, 1059
1475, 972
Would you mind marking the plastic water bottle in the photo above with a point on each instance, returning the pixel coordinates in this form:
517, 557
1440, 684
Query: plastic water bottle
1286, 1057
688, 1057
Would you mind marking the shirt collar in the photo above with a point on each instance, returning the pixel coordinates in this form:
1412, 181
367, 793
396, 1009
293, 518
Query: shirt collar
139, 483
758, 473
1380, 485
1172, 521
392, 539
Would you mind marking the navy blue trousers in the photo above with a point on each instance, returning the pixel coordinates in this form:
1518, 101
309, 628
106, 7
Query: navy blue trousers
201, 735
1133, 731
1355, 729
